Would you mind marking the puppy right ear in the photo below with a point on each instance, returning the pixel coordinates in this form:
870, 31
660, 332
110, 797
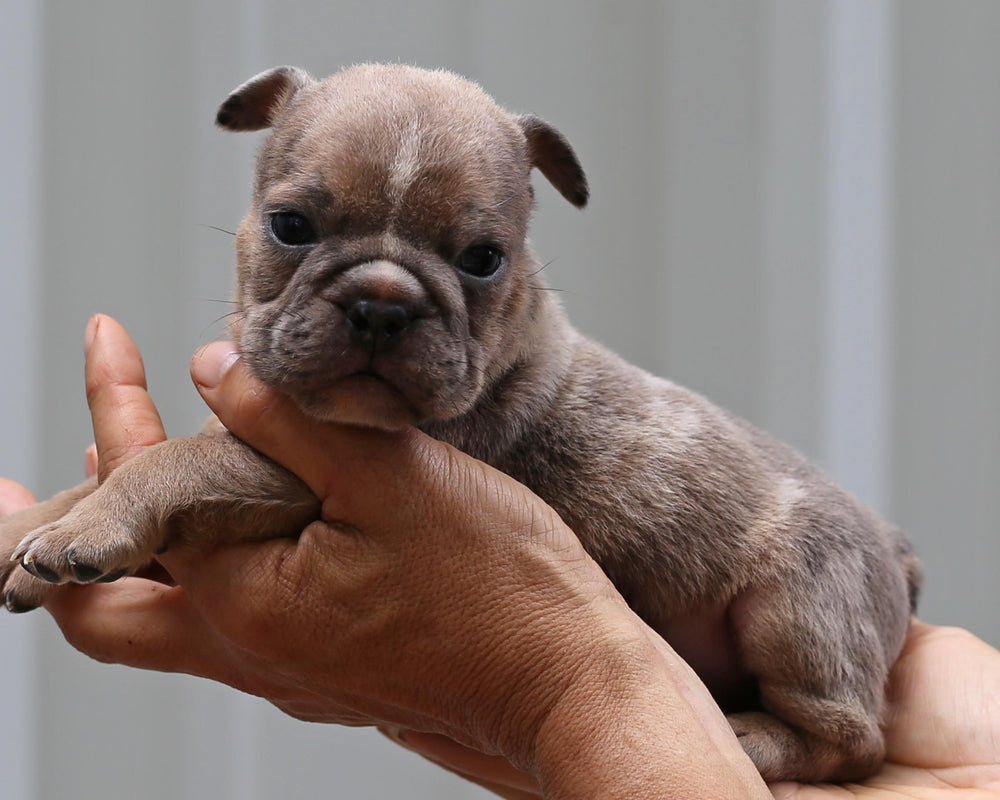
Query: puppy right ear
255, 104
551, 153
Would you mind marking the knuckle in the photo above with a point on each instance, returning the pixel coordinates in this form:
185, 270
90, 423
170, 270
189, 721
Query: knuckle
103, 378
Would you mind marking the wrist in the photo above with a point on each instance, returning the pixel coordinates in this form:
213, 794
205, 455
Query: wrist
637, 723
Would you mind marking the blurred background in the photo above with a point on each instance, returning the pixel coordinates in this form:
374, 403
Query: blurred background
796, 211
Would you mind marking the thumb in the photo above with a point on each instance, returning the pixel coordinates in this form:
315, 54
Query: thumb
331, 458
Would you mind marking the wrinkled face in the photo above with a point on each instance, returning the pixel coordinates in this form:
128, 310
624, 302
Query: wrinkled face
382, 266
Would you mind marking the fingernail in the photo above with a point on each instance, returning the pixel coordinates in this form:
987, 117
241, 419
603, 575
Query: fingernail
91, 333
212, 362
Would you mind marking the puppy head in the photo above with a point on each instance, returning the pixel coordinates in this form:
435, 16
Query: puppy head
383, 273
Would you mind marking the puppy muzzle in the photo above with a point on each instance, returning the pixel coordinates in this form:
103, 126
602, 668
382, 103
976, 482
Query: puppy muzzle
374, 323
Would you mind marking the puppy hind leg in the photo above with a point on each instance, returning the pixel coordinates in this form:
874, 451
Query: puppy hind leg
850, 749
821, 669
23, 592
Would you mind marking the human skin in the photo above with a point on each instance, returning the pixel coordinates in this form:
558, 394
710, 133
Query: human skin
943, 731
445, 603
436, 594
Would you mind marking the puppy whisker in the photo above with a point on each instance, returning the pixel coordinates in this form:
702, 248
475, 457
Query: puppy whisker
217, 228
548, 289
542, 267
230, 315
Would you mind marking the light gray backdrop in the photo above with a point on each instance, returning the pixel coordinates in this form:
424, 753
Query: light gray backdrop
796, 210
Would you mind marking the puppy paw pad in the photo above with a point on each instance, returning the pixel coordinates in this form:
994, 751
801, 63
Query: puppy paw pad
42, 571
83, 572
111, 577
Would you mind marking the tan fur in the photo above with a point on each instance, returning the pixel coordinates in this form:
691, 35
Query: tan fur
788, 597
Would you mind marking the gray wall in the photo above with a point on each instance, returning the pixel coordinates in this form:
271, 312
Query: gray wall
795, 210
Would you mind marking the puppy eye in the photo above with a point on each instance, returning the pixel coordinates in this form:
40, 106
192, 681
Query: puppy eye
481, 260
292, 229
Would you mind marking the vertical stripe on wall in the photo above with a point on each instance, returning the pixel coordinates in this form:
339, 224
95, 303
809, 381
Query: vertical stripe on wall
857, 246
20, 98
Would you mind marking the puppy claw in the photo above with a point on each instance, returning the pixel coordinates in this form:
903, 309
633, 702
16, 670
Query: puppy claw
29, 567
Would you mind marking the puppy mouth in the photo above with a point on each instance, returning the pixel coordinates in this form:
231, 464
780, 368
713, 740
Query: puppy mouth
365, 397
370, 376
363, 381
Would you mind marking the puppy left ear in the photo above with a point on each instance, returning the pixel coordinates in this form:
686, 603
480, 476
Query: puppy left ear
254, 105
551, 153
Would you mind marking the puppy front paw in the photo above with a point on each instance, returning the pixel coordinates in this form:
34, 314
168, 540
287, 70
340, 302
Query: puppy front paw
86, 546
20, 591
23, 592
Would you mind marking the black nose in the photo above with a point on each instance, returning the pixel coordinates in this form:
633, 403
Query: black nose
375, 322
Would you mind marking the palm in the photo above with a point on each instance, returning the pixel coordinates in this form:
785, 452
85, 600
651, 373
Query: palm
943, 731
895, 781
899, 781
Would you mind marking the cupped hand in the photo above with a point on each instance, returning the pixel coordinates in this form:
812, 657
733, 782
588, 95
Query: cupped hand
434, 595
448, 605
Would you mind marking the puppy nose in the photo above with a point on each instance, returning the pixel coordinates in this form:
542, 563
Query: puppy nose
375, 322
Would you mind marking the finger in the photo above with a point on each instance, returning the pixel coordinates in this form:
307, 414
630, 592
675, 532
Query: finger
125, 418
491, 772
14, 497
90, 461
138, 623
270, 422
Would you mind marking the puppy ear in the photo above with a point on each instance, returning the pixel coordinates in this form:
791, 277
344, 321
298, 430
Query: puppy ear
255, 104
551, 153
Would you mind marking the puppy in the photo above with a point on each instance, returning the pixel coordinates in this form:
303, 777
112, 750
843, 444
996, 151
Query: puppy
384, 279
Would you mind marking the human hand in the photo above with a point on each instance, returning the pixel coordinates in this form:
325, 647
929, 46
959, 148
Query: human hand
943, 730
14, 497
436, 594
